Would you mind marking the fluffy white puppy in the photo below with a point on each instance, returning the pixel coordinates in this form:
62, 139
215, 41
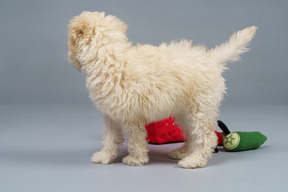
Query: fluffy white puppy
134, 85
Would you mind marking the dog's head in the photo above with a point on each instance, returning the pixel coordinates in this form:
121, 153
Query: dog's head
89, 32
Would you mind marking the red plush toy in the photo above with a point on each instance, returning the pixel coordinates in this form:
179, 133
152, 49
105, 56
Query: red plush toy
166, 131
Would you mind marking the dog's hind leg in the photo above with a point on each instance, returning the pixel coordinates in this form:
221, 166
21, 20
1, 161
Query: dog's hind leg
201, 139
112, 139
136, 144
184, 150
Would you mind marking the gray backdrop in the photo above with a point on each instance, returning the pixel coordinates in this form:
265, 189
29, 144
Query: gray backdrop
46, 141
33, 46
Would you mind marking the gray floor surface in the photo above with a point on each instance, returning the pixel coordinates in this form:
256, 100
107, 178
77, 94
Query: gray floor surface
48, 148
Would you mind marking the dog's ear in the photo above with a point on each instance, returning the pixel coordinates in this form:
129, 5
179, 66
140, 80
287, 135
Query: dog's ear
81, 29
84, 23
78, 28
76, 35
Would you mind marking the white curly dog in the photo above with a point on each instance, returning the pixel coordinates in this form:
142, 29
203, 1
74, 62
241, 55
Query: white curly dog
134, 85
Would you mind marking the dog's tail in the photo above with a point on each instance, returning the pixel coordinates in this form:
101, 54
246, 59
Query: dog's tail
237, 44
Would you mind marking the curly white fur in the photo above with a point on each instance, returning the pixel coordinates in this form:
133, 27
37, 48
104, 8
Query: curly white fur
134, 85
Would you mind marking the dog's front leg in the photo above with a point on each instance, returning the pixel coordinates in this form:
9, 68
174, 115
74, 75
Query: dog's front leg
112, 139
136, 144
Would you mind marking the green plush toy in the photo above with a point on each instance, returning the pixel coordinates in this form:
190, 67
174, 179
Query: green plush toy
241, 141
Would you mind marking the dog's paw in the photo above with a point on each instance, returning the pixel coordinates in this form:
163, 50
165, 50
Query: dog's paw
102, 157
192, 162
177, 154
135, 161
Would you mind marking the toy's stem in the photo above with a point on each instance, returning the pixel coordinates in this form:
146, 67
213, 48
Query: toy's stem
223, 127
